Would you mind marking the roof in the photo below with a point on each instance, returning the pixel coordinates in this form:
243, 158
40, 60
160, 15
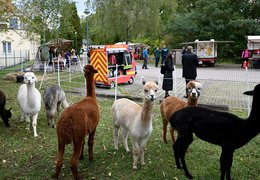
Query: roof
212, 40
253, 39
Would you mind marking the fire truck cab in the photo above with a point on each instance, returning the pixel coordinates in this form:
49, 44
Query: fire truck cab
115, 65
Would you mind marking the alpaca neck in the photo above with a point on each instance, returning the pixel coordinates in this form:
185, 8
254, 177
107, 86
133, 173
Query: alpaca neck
192, 102
147, 111
31, 94
90, 87
253, 123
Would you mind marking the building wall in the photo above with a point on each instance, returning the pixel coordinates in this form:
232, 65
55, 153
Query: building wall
20, 44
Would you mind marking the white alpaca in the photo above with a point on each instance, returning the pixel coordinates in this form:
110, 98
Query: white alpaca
29, 100
135, 120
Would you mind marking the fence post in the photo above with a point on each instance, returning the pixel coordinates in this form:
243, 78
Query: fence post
116, 82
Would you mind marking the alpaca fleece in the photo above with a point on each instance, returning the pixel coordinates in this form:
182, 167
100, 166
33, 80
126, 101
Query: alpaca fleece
172, 104
135, 120
4, 113
220, 128
54, 98
29, 101
75, 123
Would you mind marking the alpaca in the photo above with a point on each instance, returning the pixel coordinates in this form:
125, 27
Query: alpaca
172, 104
220, 128
4, 113
135, 120
54, 97
29, 100
75, 122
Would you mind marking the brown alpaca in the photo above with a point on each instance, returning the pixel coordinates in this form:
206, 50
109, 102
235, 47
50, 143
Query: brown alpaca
172, 104
75, 122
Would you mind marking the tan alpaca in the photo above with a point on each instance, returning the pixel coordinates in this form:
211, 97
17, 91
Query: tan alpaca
135, 120
75, 123
172, 104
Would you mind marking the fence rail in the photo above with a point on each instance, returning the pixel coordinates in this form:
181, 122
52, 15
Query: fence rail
14, 58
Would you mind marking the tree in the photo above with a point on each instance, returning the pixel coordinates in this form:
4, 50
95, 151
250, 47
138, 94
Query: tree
7, 10
219, 20
70, 27
42, 17
124, 20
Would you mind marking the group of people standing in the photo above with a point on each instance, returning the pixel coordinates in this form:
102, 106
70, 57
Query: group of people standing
189, 63
189, 69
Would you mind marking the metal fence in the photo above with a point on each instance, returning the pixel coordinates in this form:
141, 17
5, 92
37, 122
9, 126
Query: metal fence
14, 58
224, 92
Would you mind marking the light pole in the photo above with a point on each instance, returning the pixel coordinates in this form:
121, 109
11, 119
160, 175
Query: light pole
87, 15
76, 43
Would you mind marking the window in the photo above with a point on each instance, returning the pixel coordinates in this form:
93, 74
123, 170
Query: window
7, 47
14, 23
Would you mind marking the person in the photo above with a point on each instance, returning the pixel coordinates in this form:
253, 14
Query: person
183, 50
189, 66
244, 56
164, 53
157, 53
167, 84
145, 58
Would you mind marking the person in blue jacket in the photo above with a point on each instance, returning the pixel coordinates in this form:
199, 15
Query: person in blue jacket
164, 53
145, 58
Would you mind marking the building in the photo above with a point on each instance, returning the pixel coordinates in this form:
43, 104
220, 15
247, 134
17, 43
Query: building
15, 46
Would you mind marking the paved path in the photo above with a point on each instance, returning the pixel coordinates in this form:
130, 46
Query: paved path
223, 86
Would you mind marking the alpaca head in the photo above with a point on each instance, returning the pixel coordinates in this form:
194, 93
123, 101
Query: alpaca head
254, 92
194, 88
89, 70
150, 89
29, 78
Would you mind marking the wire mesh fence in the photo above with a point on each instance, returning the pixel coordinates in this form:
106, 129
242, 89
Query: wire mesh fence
224, 92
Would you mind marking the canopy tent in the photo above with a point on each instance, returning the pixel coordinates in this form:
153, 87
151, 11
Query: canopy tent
60, 43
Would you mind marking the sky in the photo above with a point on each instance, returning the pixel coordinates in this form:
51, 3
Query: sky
80, 7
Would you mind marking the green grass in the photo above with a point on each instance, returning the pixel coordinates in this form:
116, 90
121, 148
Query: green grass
23, 156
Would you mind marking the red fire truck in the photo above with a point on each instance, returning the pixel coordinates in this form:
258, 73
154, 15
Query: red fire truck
115, 65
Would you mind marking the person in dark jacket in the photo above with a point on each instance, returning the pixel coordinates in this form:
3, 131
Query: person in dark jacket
157, 53
167, 84
189, 66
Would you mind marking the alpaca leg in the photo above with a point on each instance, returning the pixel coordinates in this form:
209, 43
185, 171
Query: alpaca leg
176, 150
125, 137
59, 164
184, 144
116, 132
165, 123
90, 145
172, 134
35, 124
136, 153
27, 118
75, 158
52, 117
226, 160
22, 115
142, 148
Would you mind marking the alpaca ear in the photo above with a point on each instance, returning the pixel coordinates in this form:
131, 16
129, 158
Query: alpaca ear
249, 93
9, 109
156, 82
144, 82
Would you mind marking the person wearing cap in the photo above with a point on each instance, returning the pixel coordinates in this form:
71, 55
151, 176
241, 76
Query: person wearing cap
189, 66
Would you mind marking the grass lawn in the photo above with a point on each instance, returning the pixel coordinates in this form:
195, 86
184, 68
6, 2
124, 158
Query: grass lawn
23, 156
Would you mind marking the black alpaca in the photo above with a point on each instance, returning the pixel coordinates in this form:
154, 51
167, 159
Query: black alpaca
5, 114
220, 128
